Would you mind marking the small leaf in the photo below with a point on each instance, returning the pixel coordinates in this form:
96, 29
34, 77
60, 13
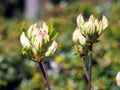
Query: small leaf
54, 36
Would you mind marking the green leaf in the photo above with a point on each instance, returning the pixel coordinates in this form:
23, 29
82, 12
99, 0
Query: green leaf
54, 36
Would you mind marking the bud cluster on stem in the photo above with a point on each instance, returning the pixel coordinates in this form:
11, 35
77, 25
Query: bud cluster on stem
36, 42
84, 36
39, 42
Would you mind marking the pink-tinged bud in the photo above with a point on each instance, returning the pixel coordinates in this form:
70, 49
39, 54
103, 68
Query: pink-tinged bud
105, 22
118, 79
51, 49
46, 37
24, 41
38, 35
37, 41
80, 22
76, 35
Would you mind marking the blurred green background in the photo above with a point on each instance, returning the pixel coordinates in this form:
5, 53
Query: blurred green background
18, 72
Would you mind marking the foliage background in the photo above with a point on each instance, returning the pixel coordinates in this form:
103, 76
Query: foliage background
18, 72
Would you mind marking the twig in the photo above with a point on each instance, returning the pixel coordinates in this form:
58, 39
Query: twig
41, 64
85, 68
90, 66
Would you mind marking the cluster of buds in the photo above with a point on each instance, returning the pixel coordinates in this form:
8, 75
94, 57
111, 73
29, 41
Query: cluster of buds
36, 41
88, 32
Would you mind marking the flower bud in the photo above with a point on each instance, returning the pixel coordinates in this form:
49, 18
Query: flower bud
99, 28
37, 40
82, 40
118, 79
29, 33
45, 27
24, 41
76, 35
90, 27
80, 22
51, 49
38, 35
105, 22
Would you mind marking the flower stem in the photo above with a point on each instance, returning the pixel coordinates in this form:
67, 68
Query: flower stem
41, 64
90, 66
85, 68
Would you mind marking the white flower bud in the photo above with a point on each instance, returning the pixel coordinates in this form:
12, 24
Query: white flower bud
51, 49
118, 79
24, 41
76, 35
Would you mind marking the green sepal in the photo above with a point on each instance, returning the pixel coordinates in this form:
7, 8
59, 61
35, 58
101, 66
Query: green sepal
26, 51
23, 28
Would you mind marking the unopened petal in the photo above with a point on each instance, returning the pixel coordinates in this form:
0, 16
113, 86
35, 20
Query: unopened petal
24, 40
105, 22
51, 49
80, 22
45, 27
76, 34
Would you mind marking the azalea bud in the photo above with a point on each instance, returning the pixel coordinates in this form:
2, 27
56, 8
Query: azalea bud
80, 22
118, 79
82, 40
76, 35
51, 49
105, 22
24, 41
29, 34
37, 40
39, 35
45, 27
99, 27
91, 18
90, 27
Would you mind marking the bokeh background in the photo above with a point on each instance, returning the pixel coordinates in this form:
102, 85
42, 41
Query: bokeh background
18, 72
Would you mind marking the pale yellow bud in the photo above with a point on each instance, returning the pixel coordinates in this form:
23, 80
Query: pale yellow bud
45, 27
91, 18
90, 27
105, 22
29, 33
80, 22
